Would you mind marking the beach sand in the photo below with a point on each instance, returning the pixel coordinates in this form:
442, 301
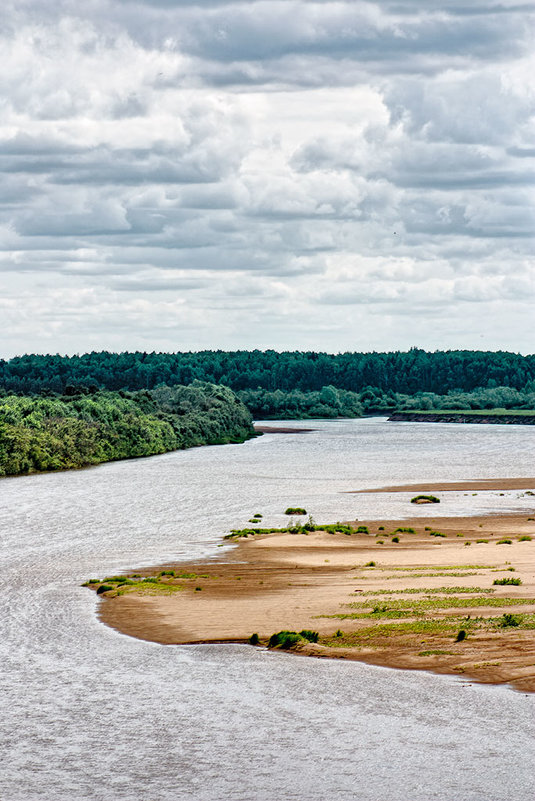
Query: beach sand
283, 581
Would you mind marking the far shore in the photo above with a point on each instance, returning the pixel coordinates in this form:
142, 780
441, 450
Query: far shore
371, 599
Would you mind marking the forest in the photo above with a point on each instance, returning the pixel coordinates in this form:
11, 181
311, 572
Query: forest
399, 372
295, 384
41, 433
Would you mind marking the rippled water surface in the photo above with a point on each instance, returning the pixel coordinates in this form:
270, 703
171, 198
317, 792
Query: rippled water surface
90, 714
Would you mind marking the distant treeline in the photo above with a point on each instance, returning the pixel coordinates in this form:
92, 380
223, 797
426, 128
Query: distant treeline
333, 402
55, 433
397, 372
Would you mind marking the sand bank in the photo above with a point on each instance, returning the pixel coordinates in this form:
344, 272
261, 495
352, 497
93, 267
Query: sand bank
404, 612
498, 484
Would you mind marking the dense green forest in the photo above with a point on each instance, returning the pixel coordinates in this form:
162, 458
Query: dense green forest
54, 433
397, 372
296, 384
333, 402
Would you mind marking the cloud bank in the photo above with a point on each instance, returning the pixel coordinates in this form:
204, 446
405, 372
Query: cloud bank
287, 174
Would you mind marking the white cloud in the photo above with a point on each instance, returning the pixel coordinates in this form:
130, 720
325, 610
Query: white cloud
283, 173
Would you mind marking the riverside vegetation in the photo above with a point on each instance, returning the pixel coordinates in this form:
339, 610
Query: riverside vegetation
80, 429
298, 384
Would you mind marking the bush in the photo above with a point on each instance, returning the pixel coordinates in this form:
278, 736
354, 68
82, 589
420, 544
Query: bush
363, 530
516, 582
284, 639
461, 635
524, 538
505, 541
369, 564
295, 510
254, 639
425, 499
104, 588
507, 620
406, 530
395, 539
311, 636
436, 534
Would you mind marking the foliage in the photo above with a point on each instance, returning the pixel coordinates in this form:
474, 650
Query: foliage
461, 635
425, 499
508, 620
75, 430
503, 581
297, 384
254, 639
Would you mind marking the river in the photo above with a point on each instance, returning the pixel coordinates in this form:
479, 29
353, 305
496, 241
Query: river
89, 714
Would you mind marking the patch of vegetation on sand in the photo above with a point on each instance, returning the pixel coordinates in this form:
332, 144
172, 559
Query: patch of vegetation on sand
425, 499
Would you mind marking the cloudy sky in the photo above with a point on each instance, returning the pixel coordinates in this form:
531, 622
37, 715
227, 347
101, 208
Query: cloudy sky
179, 175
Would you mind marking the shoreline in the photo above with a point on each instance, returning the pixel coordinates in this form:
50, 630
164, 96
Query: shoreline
370, 599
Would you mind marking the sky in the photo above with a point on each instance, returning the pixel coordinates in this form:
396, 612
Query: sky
328, 176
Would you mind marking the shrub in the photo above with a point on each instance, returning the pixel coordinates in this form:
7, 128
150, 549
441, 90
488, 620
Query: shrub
507, 620
198, 589
166, 573
363, 530
311, 636
150, 580
104, 588
381, 528
425, 499
284, 639
505, 541
258, 515
514, 581
338, 633
395, 539
461, 635
524, 538
254, 639
407, 530
436, 534
295, 510
369, 564
478, 542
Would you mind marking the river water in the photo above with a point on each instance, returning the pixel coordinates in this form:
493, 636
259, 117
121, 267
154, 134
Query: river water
89, 714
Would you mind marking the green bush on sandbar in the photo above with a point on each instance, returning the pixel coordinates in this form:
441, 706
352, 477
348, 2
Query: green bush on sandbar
425, 499
295, 510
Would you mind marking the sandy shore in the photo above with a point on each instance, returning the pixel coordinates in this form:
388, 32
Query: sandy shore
499, 484
404, 611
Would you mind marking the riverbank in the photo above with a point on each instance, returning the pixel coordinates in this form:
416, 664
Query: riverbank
397, 604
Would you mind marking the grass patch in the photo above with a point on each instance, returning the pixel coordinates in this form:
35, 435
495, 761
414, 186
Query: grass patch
295, 510
503, 581
505, 541
429, 591
436, 652
524, 538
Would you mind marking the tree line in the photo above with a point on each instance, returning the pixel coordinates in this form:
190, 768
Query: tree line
40, 433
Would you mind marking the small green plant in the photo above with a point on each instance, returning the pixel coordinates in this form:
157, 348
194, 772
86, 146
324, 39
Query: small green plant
104, 588
380, 542
425, 499
505, 541
295, 510
436, 534
166, 573
406, 530
363, 530
381, 528
461, 635
284, 639
467, 542
459, 534
258, 515
516, 582
524, 538
370, 564
395, 539
338, 633
198, 589
92, 581
478, 542
507, 620
254, 639
311, 636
